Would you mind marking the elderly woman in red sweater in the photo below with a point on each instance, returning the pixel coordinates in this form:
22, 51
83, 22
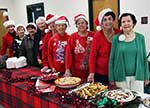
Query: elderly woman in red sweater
78, 48
101, 45
57, 46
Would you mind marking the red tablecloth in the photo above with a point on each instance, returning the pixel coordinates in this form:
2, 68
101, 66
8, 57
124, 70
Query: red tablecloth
17, 95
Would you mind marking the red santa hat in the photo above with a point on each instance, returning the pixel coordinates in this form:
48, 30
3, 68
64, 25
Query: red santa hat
31, 24
40, 18
99, 18
124, 12
62, 20
8, 23
19, 25
79, 16
51, 18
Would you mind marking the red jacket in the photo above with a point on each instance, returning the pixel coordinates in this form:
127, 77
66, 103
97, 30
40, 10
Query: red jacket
7, 41
99, 54
76, 53
45, 49
56, 52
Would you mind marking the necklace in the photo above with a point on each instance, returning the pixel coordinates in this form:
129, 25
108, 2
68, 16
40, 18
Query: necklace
130, 37
109, 35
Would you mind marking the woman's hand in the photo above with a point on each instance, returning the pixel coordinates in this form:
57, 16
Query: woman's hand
112, 83
44, 69
39, 61
53, 70
67, 73
146, 82
91, 77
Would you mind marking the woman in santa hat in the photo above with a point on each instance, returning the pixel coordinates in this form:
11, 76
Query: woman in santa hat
78, 48
101, 45
9, 37
27, 47
57, 45
20, 30
50, 21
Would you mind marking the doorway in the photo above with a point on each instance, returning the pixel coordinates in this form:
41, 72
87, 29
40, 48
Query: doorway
2, 28
95, 6
34, 11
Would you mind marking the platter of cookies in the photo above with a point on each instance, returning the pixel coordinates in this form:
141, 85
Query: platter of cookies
89, 90
121, 95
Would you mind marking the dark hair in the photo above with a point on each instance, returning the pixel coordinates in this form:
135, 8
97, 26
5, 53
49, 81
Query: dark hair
31, 26
84, 20
62, 23
19, 27
111, 14
128, 14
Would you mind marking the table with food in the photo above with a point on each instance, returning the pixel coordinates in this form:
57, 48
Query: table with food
29, 88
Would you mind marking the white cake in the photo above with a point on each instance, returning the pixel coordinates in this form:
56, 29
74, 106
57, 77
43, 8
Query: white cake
10, 62
21, 62
14, 62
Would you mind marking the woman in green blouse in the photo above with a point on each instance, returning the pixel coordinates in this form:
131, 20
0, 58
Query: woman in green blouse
128, 65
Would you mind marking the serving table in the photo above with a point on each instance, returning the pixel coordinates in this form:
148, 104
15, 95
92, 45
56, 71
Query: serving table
17, 91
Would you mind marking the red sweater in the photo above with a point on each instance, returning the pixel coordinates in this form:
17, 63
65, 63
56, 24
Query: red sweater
7, 41
75, 54
45, 48
99, 54
56, 52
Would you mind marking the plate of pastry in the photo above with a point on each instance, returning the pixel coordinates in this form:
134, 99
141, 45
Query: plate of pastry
67, 82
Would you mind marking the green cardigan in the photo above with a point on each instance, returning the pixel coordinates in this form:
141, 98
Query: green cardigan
116, 61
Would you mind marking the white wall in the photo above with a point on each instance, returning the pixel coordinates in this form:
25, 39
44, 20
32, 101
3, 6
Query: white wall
140, 8
68, 8
7, 4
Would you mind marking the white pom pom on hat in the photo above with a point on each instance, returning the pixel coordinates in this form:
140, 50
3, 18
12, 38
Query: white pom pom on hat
99, 18
5, 13
47, 30
98, 28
